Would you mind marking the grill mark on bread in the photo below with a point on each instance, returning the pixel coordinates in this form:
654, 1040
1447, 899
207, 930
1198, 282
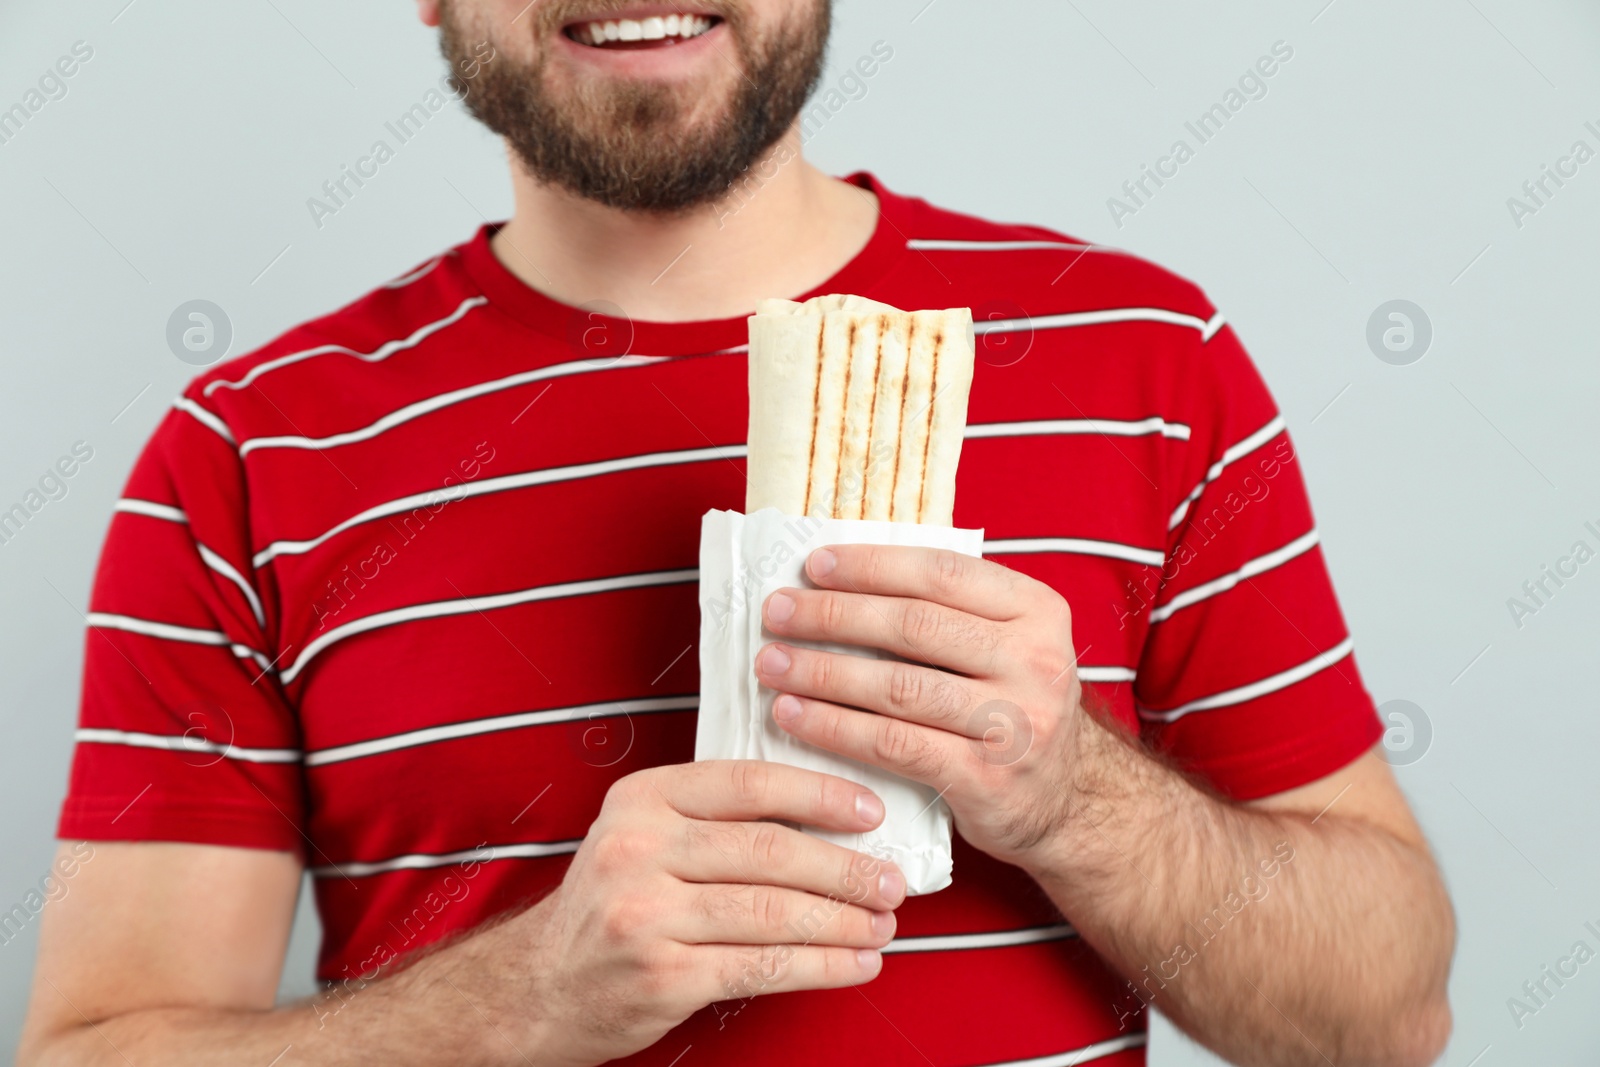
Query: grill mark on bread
844, 413
872, 415
905, 387
927, 442
816, 414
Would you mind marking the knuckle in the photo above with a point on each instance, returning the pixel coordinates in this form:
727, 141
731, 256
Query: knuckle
1041, 730
922, 622
947, 569
767, 910
749, 781
833, 613
906, 686
620, 850
768, 847
660, 973
822, 670
625, 917
1043, 661
930, 694
1047, 663
874, 567
899, 745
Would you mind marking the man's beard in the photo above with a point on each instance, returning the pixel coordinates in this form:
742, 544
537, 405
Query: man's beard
639, 145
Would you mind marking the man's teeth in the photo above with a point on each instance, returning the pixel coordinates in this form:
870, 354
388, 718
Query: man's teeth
655, 28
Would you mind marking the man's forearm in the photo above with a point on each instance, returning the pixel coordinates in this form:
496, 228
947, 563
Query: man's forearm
436, 1010
1272, 938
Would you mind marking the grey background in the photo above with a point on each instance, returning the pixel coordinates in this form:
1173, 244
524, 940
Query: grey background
178, 165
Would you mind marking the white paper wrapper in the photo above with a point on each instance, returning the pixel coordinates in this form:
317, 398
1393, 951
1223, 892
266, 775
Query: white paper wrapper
745, 558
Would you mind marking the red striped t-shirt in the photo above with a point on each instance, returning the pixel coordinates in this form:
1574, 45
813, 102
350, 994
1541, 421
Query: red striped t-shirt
406, 589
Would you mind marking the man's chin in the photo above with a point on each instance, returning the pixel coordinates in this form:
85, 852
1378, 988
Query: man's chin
623, 107
657, 128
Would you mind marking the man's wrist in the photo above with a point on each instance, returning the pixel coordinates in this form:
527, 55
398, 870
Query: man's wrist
1106, 791
493, 975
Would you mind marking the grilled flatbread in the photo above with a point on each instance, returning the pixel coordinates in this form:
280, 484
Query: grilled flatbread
857, 409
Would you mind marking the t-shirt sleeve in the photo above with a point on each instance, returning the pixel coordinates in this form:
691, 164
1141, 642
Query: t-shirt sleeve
184, 733
1247, 676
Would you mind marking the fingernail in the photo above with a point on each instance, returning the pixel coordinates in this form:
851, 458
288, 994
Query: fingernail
786, 708
774, 660
883, 923
868, 806
780, 608
892, 886
868, 958
822, 563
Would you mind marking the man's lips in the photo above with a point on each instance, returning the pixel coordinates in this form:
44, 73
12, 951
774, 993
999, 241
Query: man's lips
641, 31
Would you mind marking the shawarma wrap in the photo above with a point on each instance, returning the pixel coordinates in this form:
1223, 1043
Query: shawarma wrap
857, 409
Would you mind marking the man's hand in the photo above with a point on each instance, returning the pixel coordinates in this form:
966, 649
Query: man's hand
998, 736
682, 895
1132, 851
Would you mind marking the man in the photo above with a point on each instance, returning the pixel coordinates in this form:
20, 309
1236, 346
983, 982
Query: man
406, 597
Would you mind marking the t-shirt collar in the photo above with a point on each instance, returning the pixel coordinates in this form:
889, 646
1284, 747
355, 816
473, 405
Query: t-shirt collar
510, 294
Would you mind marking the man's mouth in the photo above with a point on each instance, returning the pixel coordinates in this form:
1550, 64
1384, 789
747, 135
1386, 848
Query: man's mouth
656, 31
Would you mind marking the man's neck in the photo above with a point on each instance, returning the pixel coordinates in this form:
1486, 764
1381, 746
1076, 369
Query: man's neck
782, 230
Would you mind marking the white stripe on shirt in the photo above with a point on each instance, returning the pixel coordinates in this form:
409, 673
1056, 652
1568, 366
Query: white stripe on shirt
206, 418
382, 352
1089, 318
466, 605
1260, 565
427, 860
1229, 457
227, 570
1109, 427
131, 506
166, 631
433, 734
186, 743
551, 475
922, 244
150, 508
1106, 674
464, 490
1077, 1057
1273, 684
405, 414
1150, 557
1000, 939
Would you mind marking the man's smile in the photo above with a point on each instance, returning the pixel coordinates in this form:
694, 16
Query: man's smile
642, 30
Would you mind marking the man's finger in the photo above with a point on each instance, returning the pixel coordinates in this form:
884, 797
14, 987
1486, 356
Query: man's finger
916, 752
966, 583
769, 853
908, 691
733, 914
740, 972
737, 790
916, 629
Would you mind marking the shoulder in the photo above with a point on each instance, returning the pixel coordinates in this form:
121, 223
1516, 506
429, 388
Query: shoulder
1042, 268
393, 317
